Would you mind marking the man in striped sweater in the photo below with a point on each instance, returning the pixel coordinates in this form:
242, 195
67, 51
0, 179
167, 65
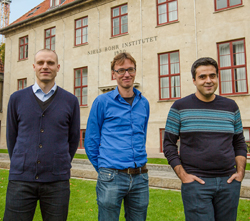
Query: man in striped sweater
212, 159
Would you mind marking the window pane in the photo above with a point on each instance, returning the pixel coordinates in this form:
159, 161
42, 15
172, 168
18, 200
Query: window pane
172, 11
85, 21
226, 81
246, 134
78, 78
174, 59
78, 33
53, 40
224, 51
25, 83
175, 86
115, 12
235, 2
160, 1
78, 94
47, 43
84, 76
78, 23
26, 51
162, 12
164, 64
47, 33
53, 31
84, 38
116, 26
164, 87
26, 40
53, 47
84, 95
238, 50
22, 41
21, 52
221, 4
124, 23
240, 80
124, 9
20, 85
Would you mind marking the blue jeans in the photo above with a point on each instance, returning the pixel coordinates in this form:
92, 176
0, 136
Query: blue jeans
114, 186
215, 200
21, 200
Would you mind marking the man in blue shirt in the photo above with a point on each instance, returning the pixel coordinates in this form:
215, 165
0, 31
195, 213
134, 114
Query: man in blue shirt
43, 128
115, 144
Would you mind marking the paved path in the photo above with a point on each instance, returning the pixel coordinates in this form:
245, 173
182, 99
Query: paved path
161, 176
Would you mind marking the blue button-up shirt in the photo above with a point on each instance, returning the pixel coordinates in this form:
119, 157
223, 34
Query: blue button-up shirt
116, 131
40, 94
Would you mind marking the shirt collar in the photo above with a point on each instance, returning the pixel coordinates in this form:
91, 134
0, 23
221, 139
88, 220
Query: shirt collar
116, 92
36, 88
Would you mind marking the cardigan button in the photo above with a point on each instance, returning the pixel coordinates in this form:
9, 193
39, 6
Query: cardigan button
36, 177
40, 145
38, 161
42, 130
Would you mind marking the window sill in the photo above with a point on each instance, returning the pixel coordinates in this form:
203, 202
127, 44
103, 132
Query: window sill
117, 36
170, 23
226, 9
25, 59
170, 100
234, 95
76, 46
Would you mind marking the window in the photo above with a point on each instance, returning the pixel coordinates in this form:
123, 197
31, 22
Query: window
232, 67
81, 31
21, 83
223, 4
81, 85
246, 132
82, 138
166, 11
23, 48
119, 20
54, 3
169, 75
50, 38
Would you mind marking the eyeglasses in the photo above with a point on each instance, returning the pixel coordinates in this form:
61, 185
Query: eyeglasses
122, 71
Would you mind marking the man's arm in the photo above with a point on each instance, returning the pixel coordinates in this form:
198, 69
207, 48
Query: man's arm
93, 132
74, 130
11, 127
240, 166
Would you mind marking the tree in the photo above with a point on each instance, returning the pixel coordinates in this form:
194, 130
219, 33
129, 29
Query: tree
2, 52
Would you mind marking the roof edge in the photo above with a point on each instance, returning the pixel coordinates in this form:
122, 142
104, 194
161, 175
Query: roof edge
6, 29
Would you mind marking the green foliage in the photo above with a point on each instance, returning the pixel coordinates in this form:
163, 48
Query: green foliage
2, 52
163, 204
248, 147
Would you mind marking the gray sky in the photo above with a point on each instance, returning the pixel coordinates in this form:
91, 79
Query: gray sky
20, 7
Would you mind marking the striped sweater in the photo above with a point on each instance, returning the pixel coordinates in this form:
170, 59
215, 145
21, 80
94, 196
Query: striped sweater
210, 133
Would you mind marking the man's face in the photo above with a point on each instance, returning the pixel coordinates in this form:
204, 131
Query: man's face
206, 82
46, 67
124, 81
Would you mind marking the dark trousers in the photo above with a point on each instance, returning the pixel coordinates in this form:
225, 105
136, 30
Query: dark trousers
216, 200
22, 197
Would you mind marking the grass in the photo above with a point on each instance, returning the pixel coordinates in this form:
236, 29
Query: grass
150, 160
163, 204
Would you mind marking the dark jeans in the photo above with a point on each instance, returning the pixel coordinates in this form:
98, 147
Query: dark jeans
112, 187
21, 200
215, 200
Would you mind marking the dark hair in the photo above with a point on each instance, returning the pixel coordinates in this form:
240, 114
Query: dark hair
205, 61
120, 58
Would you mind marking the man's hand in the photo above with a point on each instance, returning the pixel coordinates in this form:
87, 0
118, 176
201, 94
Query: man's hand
240, 166
185, 177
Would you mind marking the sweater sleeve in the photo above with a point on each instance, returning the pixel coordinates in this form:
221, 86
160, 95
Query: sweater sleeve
239, 143
93, 132
172, 131
74, 129
12, 126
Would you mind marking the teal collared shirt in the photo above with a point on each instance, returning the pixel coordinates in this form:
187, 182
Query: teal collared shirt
40, 94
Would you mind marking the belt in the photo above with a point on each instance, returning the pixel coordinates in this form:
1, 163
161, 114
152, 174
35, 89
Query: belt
139, 170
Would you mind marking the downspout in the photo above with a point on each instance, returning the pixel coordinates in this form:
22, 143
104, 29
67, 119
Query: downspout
195, 29
98, 54
63, 52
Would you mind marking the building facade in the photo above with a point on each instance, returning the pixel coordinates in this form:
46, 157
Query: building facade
164, 36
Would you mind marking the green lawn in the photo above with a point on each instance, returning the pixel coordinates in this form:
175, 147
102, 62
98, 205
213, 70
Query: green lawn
163, 204
150, 160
